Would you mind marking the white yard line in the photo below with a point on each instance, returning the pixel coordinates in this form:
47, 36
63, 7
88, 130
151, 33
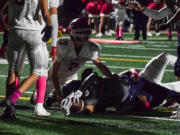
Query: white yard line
155, 118
142, 48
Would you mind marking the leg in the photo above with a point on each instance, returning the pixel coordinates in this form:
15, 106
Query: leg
155, 68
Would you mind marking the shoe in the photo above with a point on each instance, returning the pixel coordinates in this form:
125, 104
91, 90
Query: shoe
157, 33
51, 100
149, 34
121, 38
33, 98
40, 110
99, 35
9, 112
136, 38
169, 38
108, 33
112, 31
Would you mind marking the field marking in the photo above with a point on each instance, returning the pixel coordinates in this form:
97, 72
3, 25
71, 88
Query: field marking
119, 59
129, 56
155, 118
135, 48
21, 98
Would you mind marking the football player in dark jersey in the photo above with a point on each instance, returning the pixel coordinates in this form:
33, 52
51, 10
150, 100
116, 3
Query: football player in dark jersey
144, 90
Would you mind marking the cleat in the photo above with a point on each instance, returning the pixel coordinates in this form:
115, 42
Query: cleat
157, 33
9, 112
149, 34
51, 100
99, 35
40, 110
169, 38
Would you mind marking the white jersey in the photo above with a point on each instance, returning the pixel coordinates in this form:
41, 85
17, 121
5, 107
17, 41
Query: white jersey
24, 16
70, 62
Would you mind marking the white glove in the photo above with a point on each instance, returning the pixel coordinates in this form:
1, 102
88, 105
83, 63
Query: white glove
76, 96
66, 104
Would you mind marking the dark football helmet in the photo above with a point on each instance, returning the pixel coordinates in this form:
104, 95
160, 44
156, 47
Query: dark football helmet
79, 30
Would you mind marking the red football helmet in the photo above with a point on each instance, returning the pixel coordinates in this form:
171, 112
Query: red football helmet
79, 30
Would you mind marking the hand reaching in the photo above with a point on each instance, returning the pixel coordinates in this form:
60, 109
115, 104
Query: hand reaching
53, 53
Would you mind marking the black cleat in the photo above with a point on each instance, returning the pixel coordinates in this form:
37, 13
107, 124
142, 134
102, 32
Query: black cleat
9, 112
51, 100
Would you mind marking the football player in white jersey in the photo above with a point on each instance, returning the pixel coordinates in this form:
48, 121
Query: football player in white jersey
41, 82
72, 54
25, 28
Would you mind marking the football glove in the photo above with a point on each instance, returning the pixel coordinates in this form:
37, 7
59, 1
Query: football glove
66, 104
46, 33
53, 53
76, 96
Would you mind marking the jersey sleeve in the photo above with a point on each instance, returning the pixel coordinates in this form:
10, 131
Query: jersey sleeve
95, 50
54, 3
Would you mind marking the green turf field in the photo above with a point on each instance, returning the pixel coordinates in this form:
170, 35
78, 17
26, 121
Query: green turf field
117, 57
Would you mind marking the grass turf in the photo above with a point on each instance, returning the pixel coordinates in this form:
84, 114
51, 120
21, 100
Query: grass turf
117, 57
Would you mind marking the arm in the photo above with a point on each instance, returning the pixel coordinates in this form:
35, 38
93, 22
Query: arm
175, 18
45, 12
157, 15
3, 5
154, 14
54, 34
105, 70
55, 80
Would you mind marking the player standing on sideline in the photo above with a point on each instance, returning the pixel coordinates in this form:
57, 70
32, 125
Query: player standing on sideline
120, 14
72, 54
25, 26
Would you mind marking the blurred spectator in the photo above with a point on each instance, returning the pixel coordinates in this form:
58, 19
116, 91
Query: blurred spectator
93, 11
106, 9
140, 22
155, 5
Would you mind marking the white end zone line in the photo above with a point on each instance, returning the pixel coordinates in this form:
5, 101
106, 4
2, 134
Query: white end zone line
155, 118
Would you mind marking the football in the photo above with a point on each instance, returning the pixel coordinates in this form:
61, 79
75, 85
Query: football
77, 107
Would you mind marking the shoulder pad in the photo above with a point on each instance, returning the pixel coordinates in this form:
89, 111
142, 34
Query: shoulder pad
96, 45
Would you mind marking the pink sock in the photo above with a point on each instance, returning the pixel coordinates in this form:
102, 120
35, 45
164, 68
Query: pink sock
169, 33
117, 34
16, 83
40, 88
15, 96
120, 32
